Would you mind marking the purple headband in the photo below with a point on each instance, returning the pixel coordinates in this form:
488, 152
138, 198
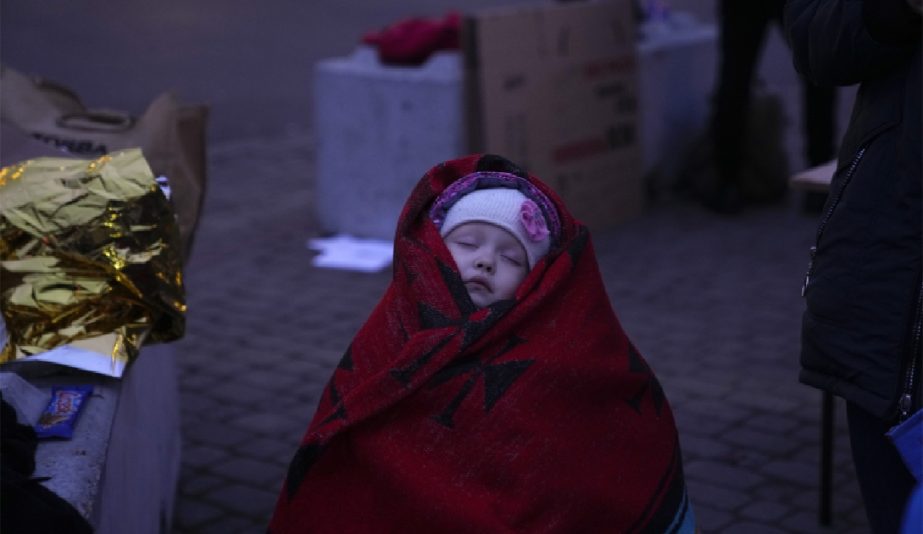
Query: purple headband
491, 179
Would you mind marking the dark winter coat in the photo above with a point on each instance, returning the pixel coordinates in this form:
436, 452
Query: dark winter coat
862, 284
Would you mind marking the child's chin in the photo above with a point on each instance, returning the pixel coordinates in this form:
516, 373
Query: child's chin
480, 299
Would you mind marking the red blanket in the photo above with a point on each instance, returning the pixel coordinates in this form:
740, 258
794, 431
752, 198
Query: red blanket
532, 415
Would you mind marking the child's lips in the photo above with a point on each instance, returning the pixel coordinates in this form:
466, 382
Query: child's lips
479, 282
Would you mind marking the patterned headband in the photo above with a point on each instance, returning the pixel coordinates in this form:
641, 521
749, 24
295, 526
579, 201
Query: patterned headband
492, 179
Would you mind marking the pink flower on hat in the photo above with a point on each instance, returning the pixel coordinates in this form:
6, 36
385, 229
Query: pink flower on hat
532, 221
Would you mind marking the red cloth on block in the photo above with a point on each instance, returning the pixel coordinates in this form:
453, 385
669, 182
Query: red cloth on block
534, 414
412, 41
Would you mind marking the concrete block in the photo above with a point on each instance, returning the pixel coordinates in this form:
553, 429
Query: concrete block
120, 470
379, 128
26, 399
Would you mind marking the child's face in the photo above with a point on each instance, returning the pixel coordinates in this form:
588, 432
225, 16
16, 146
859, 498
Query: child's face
490, 260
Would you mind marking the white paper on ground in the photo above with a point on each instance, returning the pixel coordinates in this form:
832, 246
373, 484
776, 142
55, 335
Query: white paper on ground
351, 253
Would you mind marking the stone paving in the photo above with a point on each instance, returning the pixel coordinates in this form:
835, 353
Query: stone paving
713, 303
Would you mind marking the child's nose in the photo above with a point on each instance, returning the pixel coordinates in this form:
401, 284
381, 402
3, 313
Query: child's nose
485, 263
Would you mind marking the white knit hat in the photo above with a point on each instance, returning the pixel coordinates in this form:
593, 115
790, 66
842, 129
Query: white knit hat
508, 209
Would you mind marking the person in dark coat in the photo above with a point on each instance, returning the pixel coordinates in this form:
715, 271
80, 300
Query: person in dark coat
743, 28
862, 288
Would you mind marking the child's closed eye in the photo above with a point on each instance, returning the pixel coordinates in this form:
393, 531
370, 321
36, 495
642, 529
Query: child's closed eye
512, 259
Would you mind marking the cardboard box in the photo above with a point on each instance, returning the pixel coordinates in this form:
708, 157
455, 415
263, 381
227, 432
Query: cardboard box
554, 88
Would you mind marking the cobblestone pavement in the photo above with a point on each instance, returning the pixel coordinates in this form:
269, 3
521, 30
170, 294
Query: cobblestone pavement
713, 303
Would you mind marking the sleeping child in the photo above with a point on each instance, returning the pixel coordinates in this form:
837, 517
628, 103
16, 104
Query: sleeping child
492, 389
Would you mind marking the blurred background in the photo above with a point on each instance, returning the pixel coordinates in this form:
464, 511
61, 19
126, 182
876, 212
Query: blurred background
251, 61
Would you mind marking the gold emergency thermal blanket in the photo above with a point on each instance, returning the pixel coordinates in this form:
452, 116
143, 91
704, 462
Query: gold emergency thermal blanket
89, 250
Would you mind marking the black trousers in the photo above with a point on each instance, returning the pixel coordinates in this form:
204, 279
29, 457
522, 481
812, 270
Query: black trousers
743, 26
884, 480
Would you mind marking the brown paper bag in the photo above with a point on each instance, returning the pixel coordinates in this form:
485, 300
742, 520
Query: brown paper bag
171, 136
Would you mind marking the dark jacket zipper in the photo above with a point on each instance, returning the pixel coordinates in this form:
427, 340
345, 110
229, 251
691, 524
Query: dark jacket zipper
905, 402
829, 213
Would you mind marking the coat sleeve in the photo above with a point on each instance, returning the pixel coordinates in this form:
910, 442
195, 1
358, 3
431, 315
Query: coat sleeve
831, 43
